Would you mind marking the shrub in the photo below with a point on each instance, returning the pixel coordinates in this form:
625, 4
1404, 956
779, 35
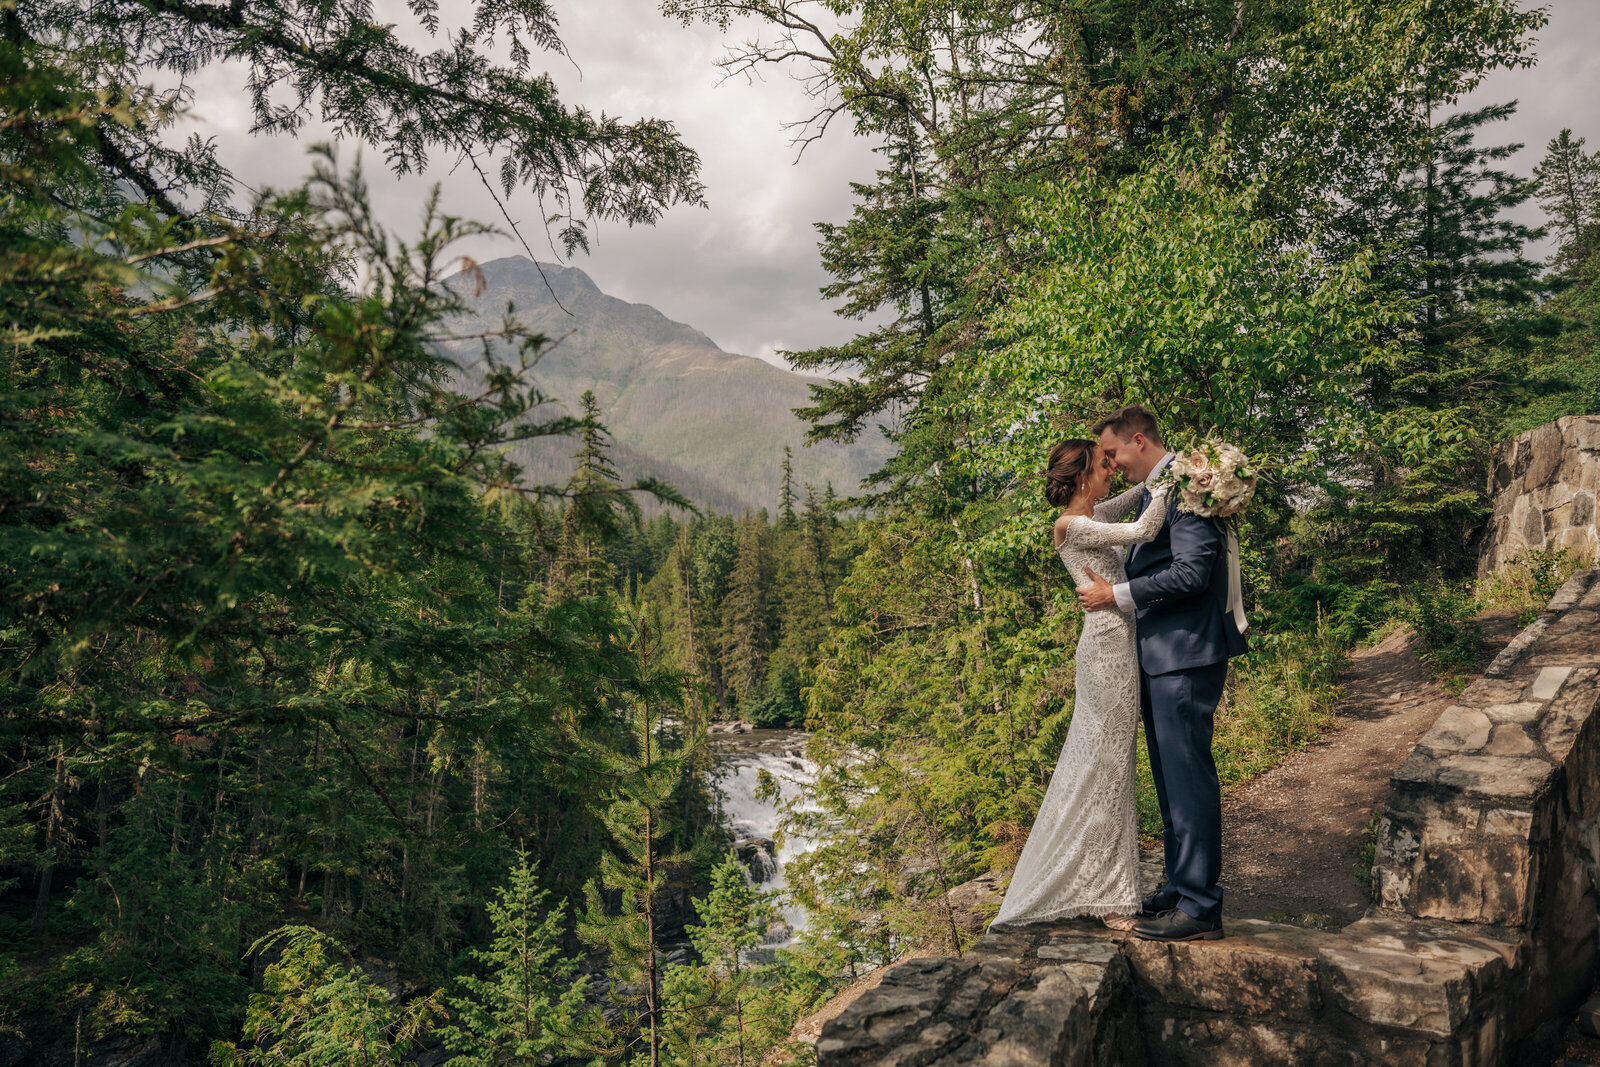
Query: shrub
1347, 611
1442, 615
1548, 569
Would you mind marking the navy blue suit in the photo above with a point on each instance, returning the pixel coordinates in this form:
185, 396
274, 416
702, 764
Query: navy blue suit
1179, 585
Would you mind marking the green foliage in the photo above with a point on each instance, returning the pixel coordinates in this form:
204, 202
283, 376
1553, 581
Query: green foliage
277, 639
524, 1002
1527, 583
1545, 569
369, 83
1348, 611
938, 702
1442, 613
1280, 698
1563, 373
1166, 288
747, 640
315, 1009
288, 632
647, 771
168, 925
744, 605
1410, 492
1317, 95
1369, 845
1567, 181
1051, 246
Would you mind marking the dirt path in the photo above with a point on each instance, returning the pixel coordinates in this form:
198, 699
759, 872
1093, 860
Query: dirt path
1292, 838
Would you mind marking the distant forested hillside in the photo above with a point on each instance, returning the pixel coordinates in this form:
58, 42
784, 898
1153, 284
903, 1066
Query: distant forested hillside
678, 407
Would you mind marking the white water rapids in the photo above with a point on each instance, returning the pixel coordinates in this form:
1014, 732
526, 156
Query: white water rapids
740, 760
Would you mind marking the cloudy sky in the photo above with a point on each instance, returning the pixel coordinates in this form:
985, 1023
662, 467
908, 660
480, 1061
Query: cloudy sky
744, 269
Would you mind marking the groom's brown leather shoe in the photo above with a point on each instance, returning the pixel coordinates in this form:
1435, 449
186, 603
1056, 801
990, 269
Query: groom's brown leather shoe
1157, 902
1177, 925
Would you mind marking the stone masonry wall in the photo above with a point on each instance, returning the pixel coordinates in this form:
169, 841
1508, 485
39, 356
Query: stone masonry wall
1484, 934
1543, 485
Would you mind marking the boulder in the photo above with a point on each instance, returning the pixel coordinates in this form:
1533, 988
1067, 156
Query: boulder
759, 855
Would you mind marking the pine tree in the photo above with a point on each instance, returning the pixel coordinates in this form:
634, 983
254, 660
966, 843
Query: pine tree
644, 776
1568, 185
818, 523
314, 1010
523, 1007
599, 512
269, 638
786, 497
1455, 260
747, 635
715, 1002
799, 600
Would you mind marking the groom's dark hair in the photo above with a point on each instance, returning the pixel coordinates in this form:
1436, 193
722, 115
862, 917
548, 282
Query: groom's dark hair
1129, 420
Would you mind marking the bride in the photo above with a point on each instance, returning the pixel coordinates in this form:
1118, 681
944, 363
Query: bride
1082, 857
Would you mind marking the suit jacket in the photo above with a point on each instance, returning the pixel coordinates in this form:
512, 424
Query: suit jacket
1179, 585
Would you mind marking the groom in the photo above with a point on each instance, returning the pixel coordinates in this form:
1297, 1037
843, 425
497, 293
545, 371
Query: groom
1177, 588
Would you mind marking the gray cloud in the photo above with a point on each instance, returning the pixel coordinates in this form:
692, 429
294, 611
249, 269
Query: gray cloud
744, 270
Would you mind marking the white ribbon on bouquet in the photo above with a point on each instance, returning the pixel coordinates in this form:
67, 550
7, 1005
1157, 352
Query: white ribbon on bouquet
1235, 585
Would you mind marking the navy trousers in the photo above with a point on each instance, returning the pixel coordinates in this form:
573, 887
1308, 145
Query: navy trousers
1178, 711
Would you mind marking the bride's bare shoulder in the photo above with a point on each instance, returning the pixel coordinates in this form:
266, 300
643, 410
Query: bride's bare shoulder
1062, 522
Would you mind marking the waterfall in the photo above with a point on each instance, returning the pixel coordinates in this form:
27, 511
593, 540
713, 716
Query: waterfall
754, 822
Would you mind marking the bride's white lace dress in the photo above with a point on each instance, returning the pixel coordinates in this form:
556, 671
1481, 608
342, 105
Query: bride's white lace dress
1082, 857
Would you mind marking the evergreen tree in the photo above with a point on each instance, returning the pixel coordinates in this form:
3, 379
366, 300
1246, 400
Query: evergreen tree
597, 514
675, 595
716, 549
1563, 377
1567, 181
786, 496
799, 602
266, 642
1453, 255
645, 775
747, 635
369, 82
523, 1007
316, 1011
716, 1003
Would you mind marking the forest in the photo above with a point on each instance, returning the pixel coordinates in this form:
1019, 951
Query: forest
330, 737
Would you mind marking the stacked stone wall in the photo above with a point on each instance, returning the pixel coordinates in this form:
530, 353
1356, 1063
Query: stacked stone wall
1543, 486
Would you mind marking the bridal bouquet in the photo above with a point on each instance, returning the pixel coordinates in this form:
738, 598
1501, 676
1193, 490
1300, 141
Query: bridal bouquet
1215, 479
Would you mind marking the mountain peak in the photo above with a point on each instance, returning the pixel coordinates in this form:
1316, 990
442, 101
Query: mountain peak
519, 270
677, 404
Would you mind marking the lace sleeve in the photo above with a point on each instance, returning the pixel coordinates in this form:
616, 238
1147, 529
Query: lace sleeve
1116, 508
1090, 533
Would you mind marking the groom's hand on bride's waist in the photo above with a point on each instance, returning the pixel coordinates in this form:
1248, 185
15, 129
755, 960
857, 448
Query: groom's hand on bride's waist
1097, 595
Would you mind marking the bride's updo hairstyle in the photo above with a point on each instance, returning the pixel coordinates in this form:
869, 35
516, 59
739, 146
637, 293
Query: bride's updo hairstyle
1069, 462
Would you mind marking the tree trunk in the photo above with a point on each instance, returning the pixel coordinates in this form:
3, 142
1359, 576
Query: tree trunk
52, 836
654, 1002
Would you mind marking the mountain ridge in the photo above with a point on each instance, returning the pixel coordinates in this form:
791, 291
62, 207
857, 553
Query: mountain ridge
679, 407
